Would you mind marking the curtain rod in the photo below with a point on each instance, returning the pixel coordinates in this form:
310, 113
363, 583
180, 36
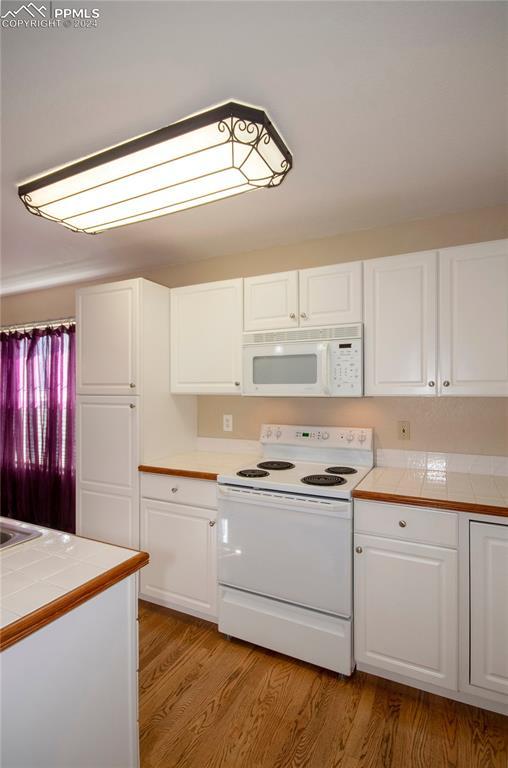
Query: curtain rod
37, 324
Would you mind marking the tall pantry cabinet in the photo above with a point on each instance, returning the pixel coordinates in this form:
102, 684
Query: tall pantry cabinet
126, 415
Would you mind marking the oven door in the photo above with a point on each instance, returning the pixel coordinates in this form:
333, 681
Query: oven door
285, 369
289, 547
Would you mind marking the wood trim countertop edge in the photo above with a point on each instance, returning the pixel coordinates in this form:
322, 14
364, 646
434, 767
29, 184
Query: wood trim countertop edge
421, 501
178, 472
18, 630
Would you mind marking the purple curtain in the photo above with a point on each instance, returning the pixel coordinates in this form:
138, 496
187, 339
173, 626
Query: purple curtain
37, 426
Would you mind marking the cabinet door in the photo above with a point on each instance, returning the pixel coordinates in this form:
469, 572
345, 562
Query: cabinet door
107, 469
206, 333
332, 294
181, 542
401, 324
107, 339
406, 609
489, 606
473, 339
271, 301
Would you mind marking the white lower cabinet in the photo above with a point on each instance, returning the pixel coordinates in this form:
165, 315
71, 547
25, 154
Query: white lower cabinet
406, 609
180, 540
489, 606
430, 605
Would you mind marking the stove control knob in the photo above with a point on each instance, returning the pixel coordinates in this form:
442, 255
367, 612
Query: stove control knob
278, 433
362, 438
350, 437
325, 435
268, 432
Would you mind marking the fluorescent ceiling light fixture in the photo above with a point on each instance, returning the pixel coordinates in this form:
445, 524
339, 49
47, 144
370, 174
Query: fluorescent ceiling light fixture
224, 151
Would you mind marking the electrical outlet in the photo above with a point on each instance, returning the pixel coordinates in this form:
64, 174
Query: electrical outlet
227, 422
404, 432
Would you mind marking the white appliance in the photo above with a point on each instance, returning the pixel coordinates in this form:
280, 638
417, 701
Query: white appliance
285, 543
308, 362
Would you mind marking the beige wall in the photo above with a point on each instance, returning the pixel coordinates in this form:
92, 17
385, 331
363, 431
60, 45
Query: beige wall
474, 425
450, 424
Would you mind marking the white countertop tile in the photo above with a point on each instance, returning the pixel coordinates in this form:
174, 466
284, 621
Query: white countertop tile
7, 617
502, 484
18, 557
13, 582
32, 597
74, 575
107, 558
52, 544
46, 567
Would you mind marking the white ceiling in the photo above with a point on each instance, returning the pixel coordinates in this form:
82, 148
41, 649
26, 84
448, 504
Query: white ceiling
393, 111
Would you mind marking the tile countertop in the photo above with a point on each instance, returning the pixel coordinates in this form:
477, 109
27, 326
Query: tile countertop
205, 465
43, 578
460, 491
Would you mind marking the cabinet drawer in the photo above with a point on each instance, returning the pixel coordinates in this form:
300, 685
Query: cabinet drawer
420, 524
181, 490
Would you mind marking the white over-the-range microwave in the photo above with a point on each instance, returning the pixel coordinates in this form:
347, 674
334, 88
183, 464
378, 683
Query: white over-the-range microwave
310, 362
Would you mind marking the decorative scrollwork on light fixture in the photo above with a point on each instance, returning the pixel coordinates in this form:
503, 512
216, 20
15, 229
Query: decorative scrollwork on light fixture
181, 166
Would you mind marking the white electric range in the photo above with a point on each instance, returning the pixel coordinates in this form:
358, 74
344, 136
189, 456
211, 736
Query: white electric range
285, 543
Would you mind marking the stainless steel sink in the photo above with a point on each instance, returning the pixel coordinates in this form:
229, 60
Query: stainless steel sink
13, 534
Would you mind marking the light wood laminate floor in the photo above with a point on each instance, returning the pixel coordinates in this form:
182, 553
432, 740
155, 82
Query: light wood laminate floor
207, 702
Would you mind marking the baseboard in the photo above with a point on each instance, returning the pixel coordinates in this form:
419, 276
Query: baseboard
180, 608
464, 698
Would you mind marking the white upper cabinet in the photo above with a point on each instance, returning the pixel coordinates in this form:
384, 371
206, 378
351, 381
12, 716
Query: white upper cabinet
108, 338
271, 301
489, 606
473, 339
309, 297
400, 319
331, 295
206, 330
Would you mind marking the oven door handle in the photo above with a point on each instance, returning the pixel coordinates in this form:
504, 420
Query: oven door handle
311, 504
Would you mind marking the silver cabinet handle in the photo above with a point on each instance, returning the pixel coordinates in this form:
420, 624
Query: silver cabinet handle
359, 550
303, 315
211, 523
174, 489
432, 383
132, 386
292, 316
446, 383
237, 383
402, 523
131, 405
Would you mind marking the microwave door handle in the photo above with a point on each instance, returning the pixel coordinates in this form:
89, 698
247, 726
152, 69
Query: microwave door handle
325, 368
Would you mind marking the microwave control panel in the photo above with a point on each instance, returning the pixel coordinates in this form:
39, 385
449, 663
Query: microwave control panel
346, 368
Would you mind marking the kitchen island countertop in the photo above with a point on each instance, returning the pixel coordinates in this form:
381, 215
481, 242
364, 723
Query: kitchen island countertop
45, 577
